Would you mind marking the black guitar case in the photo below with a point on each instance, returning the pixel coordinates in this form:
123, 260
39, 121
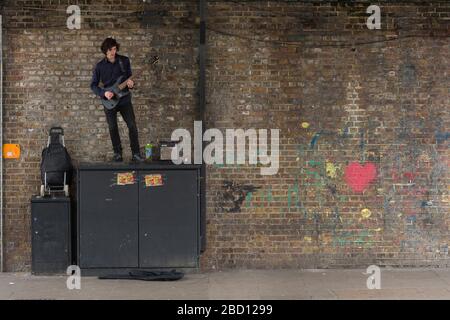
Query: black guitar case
56, 160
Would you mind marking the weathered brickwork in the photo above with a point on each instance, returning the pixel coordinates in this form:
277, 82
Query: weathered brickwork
363, 118
47, 77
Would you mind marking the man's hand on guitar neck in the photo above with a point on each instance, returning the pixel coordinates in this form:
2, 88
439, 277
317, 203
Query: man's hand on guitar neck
109, 95
130, 83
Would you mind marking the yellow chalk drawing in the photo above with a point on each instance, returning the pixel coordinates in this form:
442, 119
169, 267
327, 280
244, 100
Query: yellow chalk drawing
307, 239
325, 239
305, 125
331, 170
424, 157
366, 213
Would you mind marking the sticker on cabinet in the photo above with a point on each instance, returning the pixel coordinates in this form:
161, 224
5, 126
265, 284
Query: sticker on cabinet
153, 180
125, 178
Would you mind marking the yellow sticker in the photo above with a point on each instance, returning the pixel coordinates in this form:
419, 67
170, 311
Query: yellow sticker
125, 178
153, 180
366, 213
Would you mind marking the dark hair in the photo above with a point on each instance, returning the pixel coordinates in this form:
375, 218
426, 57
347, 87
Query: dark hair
108, 43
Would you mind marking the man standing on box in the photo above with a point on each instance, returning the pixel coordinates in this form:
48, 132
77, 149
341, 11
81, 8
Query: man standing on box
111, 70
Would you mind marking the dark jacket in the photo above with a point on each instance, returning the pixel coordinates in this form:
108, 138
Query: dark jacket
108, 73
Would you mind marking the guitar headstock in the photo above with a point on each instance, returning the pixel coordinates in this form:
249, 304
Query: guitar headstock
154, 60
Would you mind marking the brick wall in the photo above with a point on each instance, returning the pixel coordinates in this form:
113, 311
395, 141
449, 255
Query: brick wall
347, 100
48, 70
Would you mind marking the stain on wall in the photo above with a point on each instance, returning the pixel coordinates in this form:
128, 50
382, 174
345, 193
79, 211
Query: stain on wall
233, 196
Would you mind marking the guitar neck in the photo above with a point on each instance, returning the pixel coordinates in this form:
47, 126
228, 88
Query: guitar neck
124, 84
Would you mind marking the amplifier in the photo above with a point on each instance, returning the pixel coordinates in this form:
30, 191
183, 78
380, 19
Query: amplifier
165, 149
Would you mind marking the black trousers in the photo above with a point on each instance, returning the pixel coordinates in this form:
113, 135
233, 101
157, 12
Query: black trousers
125, 108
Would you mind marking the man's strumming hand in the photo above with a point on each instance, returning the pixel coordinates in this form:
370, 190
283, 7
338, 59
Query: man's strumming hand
109, 95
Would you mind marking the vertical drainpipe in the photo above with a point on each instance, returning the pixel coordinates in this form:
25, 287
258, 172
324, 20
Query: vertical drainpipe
1, 143
202, 109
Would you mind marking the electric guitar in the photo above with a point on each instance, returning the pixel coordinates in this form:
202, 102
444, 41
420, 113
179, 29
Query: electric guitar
118, 89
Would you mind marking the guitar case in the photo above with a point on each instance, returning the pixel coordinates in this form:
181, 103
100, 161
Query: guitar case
56, 160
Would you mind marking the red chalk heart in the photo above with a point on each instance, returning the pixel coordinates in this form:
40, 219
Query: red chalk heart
358, 177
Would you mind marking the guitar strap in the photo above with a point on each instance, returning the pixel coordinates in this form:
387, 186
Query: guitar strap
121, 66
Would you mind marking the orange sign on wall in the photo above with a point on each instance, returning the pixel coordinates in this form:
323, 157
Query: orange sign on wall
11, 151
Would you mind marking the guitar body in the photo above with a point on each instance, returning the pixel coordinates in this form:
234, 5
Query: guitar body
118, 94
117, 88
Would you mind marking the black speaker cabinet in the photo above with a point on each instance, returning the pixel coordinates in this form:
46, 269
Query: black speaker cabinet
50, 227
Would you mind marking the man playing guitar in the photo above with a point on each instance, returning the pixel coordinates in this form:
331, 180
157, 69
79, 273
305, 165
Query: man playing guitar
108, 71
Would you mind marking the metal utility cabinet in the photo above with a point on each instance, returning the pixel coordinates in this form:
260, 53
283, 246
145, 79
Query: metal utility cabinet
143, 216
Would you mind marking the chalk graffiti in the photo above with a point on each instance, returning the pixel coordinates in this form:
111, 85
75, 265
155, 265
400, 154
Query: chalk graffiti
325, 202
366, 213
441, 136
359, 238
305, 125
331, 170
314, 139
412, 186
359, 177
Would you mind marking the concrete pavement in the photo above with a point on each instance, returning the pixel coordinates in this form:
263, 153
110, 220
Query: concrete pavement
239, 285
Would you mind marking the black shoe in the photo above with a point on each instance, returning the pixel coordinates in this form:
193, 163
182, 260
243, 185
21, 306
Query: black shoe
137, 158
117, 157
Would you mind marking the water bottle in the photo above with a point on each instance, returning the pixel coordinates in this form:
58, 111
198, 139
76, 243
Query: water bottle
148, 151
